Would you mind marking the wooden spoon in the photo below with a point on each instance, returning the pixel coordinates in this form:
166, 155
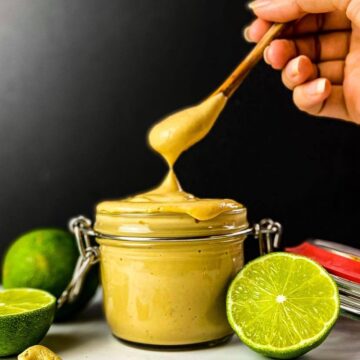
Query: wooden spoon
232, 83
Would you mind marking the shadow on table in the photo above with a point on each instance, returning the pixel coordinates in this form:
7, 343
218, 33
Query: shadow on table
93, 311
62, 342
63, 337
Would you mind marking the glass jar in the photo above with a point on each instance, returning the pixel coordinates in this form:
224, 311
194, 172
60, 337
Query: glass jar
165, 276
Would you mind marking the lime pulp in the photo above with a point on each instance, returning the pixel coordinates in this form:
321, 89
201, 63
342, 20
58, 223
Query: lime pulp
282, 305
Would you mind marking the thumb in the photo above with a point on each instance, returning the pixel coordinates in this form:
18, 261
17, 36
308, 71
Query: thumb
287, 10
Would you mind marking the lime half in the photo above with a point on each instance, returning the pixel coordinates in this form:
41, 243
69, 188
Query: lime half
25, 318
282, 305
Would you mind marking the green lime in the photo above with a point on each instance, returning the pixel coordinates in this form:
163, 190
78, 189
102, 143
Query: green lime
282, 305
25, 318
45, 259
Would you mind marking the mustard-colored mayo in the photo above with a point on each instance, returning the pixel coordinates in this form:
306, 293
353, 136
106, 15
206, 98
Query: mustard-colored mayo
178, 132
171, 293
171, 137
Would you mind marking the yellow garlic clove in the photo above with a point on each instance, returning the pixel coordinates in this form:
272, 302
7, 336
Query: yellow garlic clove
38, 352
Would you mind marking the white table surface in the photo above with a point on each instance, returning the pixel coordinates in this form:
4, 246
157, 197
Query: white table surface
89, 338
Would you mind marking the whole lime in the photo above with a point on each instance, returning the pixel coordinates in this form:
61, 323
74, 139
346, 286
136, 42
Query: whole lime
45, 259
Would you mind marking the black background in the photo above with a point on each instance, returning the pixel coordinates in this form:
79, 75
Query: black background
81, 81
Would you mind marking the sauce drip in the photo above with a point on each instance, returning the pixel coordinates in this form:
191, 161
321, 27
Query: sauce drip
170, 138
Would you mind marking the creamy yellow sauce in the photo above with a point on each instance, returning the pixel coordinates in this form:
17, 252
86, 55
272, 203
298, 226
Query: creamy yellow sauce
170, 138
181, 130
170, 198
171, 292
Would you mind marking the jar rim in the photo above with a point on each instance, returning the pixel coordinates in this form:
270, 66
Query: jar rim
243, 232
154, 214
169, 225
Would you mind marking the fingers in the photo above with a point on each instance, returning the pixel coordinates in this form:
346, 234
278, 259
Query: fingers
334, 21
335, 106
353, 12
298, 71
279, 52
330, 88
256, 30
310, 96
332, 70
301, 70
319, 98
285, 10
325, 47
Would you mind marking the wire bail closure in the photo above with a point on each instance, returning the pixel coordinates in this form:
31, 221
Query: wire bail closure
267, 232
89, 256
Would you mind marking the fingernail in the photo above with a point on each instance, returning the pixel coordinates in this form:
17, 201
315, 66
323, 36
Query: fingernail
266, 55
317, 87
246, 34
257, 4
294, 69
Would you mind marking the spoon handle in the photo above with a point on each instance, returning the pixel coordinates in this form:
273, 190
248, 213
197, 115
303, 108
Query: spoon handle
231, 84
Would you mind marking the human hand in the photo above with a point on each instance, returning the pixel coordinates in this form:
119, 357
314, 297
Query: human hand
319, 55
